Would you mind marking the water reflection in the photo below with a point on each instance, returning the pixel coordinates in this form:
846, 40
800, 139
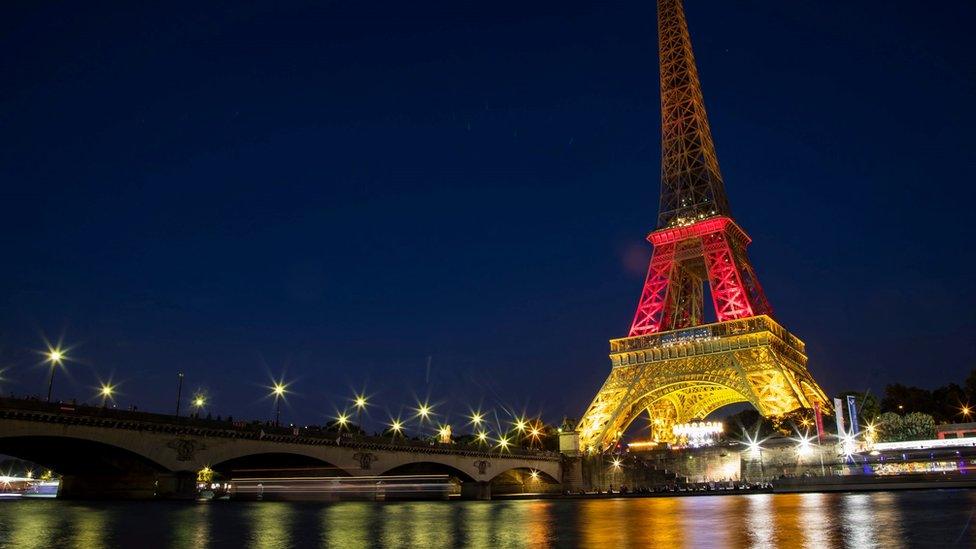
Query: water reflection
271, 524
871, 520
191, 527
90, 527
757, 520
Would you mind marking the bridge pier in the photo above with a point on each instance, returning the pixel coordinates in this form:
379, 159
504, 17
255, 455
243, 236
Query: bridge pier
129, 486
476, 490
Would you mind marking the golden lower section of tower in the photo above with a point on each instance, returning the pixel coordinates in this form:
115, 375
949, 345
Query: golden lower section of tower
686, 374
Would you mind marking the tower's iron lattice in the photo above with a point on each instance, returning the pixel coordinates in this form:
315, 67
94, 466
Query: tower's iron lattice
671, 365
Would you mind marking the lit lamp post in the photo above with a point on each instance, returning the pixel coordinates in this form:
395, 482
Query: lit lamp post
199, 401
535, 434
396, 427
55, 357
520, 426
106, 393
360, 403
477, 418
615, 467
966, 411
424, 412
278, 391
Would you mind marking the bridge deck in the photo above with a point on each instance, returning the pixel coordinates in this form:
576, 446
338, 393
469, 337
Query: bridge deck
93, 416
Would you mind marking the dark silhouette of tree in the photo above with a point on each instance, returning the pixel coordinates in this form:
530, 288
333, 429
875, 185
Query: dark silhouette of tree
948, 402
903, 399
970, 386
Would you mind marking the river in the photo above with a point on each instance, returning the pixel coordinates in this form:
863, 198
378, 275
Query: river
880, 519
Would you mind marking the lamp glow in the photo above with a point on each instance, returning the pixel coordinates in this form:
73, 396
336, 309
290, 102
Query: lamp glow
477, 419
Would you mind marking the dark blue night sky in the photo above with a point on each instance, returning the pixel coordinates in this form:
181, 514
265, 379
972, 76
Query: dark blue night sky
340, 190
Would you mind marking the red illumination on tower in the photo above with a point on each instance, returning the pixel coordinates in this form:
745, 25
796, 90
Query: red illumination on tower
696, 240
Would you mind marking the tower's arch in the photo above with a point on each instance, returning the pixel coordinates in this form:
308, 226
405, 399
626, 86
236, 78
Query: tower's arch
678, 402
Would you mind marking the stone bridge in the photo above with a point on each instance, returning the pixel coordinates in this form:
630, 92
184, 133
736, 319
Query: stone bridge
118, 454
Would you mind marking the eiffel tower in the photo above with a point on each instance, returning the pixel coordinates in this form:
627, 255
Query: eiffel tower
671, 365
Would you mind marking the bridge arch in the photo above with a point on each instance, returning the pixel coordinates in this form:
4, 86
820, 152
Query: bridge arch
277, 464
77, 456
516, 480
427, 468
540, 475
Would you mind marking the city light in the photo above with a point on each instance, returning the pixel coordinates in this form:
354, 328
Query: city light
753, 443
534, 474
503, 443
278, 390
482, 436
848, 445
396, 426
342, 419
477, 419
698, 433
616, 463
424, 411
445, 434
520, 425
966, 411
360, 402
804, 448
106, 391
55, 356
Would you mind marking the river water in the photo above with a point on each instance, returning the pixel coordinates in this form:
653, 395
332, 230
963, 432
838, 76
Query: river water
881, 519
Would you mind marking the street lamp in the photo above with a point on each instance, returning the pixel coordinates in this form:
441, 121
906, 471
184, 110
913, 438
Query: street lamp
396, 426
966, 411
520, 425
503, 444
424, 411
106, 392
278, 391
482, 437
477, 418
360, 404
755, 448
615, 467
55, 356
199, 401
535, 433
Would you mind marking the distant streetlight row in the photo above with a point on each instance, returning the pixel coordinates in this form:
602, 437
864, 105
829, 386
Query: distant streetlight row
56, 356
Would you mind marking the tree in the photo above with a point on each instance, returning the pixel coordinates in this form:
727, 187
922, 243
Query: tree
915, 426
889, 427
748, 424
970, 386
948, 402
918, 426
903, 399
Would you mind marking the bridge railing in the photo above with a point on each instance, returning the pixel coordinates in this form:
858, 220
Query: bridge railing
99, 416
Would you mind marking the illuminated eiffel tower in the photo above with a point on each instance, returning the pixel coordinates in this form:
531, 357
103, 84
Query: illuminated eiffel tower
671, 365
